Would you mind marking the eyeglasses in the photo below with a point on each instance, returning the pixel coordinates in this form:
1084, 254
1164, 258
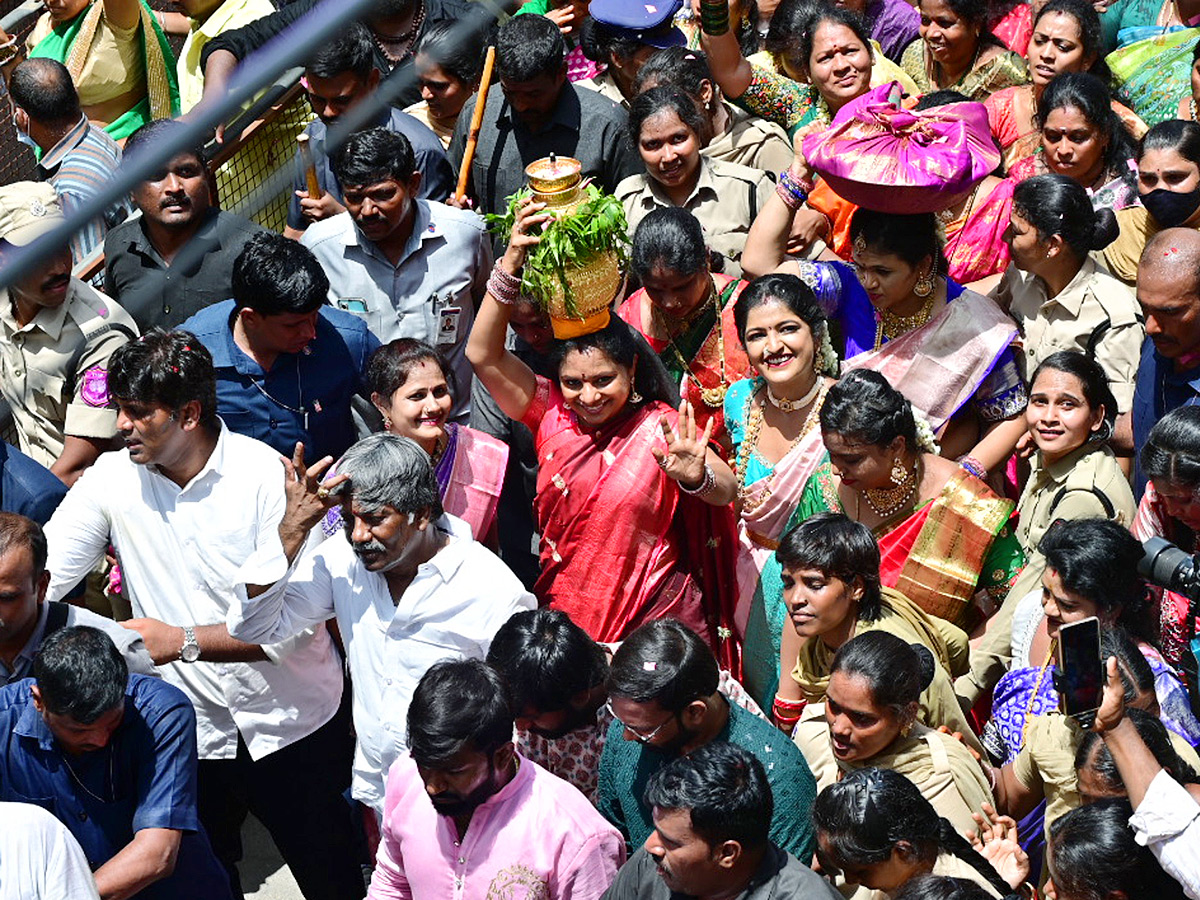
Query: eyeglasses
644, 738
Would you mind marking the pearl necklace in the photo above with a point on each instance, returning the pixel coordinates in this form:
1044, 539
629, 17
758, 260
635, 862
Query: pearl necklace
785, 405
754, 422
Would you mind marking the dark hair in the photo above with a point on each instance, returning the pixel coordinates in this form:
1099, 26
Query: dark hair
1056, 204
1093, 752
1172, 451
684, 68
80, 674
935, 99
1174, 134
147, 138
389, 366
545, 660
940, 887
664, 98
837, 546
1090, 34
598, 40
666, 662
1089, 94
350, 50
897, 672
910, 237
17, 531
457, 53
529, 47
794, 27
274, 275
866, 814
1092, 379
1098, 559
974, 12
1092, 854
44, 89
373, 155
458, 703
171, 368
725, 790
623, 345
862, 405
671, 237
787, 290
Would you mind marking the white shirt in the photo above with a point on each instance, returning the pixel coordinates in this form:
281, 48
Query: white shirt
39, 858
1168, 822
181, 550
451, 610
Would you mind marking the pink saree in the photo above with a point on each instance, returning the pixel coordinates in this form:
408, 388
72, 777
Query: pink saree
621, 545
941, 365
476, 474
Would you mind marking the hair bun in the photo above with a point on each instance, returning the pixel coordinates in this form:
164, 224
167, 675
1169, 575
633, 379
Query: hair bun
927, 662
1105, 229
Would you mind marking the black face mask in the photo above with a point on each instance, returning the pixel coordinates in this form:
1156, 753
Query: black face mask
1171, 209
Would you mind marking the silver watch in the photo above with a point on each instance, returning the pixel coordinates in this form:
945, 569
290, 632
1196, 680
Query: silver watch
190, 652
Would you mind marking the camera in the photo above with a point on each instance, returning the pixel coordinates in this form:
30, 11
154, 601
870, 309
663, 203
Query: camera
1169, 567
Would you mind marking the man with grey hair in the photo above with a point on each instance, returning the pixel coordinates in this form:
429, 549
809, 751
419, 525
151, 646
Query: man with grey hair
408, 584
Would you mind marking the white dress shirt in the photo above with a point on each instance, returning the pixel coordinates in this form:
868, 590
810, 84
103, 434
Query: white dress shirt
41, 858
181, 550
1168, 822
451, 610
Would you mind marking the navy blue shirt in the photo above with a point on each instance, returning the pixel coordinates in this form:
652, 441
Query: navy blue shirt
437, 175
27, 487
1159, 390
305, 397
144, 778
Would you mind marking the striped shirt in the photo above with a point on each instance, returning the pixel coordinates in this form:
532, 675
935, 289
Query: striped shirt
78, 166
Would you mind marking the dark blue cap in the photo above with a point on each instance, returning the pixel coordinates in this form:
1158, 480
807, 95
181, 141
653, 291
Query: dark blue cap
647, 21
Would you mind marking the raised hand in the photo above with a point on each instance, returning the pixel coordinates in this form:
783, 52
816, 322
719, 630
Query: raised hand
524, 235
1112, 701
997, 842
684, 458
307, 498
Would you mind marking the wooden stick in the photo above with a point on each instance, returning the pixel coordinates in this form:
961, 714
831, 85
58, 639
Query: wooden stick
310, 168
485, 82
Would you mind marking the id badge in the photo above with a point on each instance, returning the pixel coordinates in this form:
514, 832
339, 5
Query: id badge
449, 319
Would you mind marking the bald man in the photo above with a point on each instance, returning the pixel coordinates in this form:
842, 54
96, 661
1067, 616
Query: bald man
1168, 289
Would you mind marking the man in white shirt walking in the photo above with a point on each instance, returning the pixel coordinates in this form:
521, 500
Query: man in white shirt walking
407, 582
187, 506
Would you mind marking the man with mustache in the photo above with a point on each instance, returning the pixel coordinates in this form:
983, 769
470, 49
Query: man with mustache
712, 812
56, 337
407, 582
409, 267
1168, 290
467, 816
192, 509
177, 258
664, 698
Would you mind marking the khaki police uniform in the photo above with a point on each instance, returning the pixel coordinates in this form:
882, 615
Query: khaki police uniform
1094, 314
54, 370
725, 200
604, 85
751, 141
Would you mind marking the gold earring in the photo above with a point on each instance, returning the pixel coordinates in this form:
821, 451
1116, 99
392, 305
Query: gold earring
635, 397
387, 423
924, 286
898, 473
860, 244
905, 729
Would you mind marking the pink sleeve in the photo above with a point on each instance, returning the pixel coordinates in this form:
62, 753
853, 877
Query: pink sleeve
594, 868
388, 881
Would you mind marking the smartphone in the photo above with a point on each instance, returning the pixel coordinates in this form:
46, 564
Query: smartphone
1080, 669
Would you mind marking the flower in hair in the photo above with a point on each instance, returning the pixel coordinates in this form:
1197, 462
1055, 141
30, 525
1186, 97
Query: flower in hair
926, 442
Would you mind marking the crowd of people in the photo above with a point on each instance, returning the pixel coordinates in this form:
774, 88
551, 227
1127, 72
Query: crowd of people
757, 586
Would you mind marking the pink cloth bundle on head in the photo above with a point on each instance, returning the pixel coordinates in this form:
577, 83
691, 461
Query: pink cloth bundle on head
884, 157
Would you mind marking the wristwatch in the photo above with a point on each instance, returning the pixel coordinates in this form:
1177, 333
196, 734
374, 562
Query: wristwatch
190, 652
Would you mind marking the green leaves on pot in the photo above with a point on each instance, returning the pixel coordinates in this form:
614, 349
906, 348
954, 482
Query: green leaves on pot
568, 242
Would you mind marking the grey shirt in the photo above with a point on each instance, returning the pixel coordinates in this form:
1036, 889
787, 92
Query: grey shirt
584, 125
158, 294
128, 641
780, 876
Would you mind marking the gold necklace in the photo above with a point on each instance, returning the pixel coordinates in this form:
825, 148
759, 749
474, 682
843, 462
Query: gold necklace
885, 502
783, 404
754, 421
713, 397
947, 216
891, 326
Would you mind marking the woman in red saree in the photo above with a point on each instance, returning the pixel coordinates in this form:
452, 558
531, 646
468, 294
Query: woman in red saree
632, 503
685, 313
944, 536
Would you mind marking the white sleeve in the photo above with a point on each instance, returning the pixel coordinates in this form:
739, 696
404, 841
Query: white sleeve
296, 602
1168, 822
77, 534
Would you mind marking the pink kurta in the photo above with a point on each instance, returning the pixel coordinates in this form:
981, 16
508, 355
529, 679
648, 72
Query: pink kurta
538, 838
